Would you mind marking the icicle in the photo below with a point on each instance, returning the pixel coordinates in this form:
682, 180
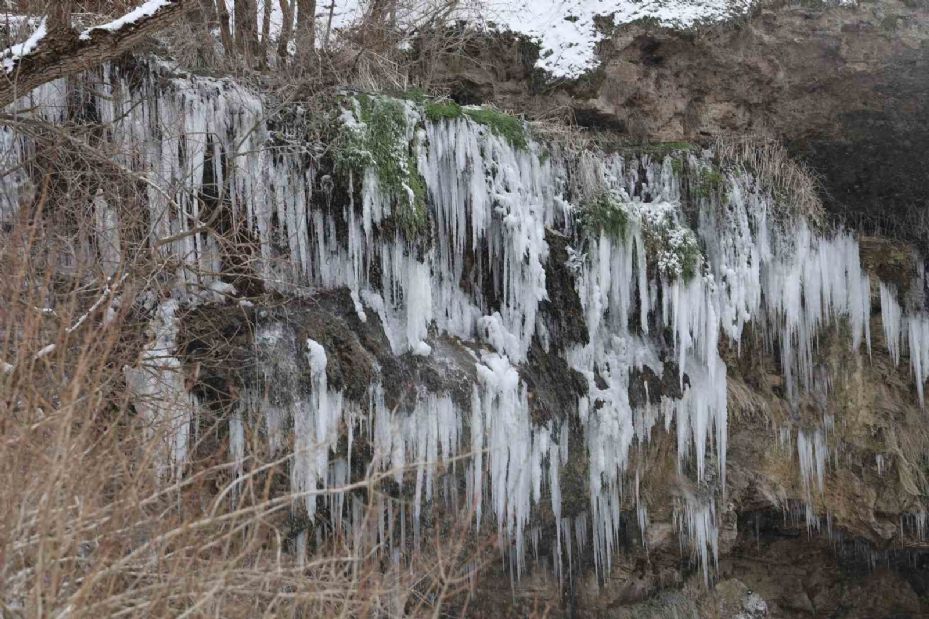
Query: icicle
504, 412
698, 524
893, 321
237, 441
158, 391
316, 430
918, 329
812, 452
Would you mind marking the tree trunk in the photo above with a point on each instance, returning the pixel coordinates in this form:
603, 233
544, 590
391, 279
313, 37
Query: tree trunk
306, 29
207, 13
203, 21
329, 24
59, 17
378, 12
265, 30
287, 28
246, 28
225, 32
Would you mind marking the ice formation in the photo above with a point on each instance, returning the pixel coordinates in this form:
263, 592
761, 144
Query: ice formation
812, 452
159, 393
699, 275
910, 328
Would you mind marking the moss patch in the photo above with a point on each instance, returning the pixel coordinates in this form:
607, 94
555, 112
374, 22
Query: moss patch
415, 219
439, 110
673, 247
503, 125
663, 149
380, 140
709, 181
604, 213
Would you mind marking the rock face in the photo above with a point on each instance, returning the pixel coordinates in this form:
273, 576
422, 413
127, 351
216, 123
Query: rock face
843, 87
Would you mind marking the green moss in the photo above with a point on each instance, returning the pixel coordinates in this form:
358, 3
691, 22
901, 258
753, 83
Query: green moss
415, 94
709, 182
604, 214
648, 22
674, 248
687, 250
380, 141
414, 220
438, 110
503, 125
658, 150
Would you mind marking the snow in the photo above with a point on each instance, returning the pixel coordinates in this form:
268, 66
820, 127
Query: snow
566, 30
143, 11
12, 55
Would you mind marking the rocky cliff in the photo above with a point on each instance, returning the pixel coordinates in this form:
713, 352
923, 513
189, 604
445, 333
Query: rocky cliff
642, 361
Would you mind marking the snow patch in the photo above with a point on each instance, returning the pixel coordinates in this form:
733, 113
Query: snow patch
145, 10
12, 55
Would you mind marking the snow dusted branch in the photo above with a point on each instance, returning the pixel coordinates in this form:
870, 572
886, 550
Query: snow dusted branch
52, 53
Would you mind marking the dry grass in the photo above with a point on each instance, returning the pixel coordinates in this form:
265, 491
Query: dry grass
795, 186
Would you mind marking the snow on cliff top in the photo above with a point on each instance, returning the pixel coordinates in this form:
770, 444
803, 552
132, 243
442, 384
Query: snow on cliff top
565, 29
566, 32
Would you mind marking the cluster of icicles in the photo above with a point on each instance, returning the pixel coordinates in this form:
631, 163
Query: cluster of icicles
493, 201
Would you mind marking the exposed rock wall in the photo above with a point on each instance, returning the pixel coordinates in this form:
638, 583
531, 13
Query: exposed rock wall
843, 86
